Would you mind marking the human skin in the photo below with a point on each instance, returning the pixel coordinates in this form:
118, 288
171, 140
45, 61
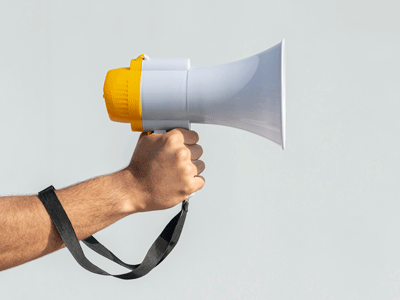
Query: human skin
163, 172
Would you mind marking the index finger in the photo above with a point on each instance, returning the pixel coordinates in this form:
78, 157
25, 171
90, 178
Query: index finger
190, 137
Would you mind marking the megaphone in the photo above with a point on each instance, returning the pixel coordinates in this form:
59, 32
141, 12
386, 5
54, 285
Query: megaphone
162, 94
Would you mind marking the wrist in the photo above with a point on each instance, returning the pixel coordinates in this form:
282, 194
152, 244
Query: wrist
128, 191
95, 204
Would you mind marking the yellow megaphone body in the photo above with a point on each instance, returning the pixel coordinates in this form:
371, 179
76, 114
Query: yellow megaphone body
162, 94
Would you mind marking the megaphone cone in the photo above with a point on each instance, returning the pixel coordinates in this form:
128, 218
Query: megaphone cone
163, 94
248, 94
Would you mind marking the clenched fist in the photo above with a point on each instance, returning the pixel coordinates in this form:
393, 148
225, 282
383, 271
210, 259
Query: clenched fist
165, 169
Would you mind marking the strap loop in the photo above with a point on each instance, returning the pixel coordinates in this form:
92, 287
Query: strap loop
160, 249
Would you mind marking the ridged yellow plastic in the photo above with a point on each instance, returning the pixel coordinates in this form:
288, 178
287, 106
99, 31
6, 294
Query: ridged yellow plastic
122, 94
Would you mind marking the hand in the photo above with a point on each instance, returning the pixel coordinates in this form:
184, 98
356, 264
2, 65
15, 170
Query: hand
165, 169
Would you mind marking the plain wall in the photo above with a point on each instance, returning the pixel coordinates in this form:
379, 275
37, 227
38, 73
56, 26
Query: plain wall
319, 220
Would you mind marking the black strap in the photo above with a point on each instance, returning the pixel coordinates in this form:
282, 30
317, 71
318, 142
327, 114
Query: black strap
160, 249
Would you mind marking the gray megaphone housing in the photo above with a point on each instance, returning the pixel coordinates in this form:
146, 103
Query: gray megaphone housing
248, 94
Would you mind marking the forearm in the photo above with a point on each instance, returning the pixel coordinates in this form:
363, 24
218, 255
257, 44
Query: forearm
27, 232
163, 172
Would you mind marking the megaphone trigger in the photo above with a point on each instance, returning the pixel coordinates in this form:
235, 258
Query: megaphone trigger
159, 131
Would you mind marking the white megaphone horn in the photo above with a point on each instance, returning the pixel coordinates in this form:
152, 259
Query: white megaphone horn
162, 94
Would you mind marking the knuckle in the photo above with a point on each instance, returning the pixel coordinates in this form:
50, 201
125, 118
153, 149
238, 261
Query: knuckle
174, 131
182, 153
171, 139
187, 170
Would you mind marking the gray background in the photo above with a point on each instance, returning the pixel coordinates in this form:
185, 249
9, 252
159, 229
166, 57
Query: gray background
319, 220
